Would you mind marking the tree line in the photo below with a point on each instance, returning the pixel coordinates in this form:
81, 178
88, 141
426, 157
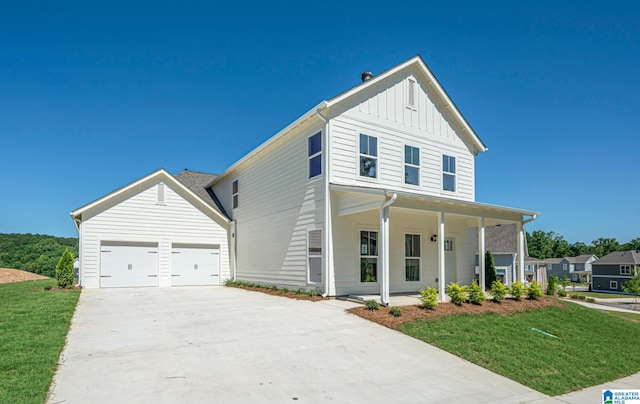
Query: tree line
38, 253
550, 244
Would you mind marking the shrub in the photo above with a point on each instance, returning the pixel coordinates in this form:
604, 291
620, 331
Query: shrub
490, 275
562, 293
552, 285
476, 295
499, 291
534, 291
574, 296
285, 290
395, 311
582, 297
590, 300
517, 290
299, 291
429, 297
457, 293
64, 270
372, 305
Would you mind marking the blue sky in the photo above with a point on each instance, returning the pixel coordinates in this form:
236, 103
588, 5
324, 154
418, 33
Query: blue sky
94, 96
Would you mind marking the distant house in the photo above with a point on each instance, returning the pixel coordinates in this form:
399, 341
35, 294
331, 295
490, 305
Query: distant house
579, 267
535, 270
555, 267
613, 270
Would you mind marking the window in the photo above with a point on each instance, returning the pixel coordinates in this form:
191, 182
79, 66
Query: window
448, 245
564, 267
368, 256
315, 155
412, 257
234, 192
448, 173
368, 156
411, 93
613, 284
625, 269
314, 248
411, 165
160, 200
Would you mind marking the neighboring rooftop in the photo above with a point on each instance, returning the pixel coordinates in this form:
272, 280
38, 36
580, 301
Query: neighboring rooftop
619, 257
580, 259
197, 181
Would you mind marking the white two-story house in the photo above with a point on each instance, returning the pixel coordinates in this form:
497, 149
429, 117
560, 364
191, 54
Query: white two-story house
369, 192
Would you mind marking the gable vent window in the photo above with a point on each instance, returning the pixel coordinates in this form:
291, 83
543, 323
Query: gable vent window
315, 155
234, 193
411, 165
448, 173
368, 156
160, 196
411, 93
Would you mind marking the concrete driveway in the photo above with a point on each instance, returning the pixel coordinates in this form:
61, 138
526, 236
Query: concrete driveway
225, 345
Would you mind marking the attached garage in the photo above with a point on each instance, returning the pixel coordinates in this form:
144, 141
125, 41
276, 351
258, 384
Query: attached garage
128, 265
159, 231
195, 265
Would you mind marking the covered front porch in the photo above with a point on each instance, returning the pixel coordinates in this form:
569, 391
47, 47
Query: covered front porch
388, 242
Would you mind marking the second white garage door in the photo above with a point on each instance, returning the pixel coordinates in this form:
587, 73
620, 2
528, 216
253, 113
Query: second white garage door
192, 266
128, 265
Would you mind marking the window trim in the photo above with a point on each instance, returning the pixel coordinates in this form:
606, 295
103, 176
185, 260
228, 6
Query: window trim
611, 283
419, 258
375, 157
625, 269
360, 256
309, 256
313, 156
564, 266
454, 174
405, 165
235, 191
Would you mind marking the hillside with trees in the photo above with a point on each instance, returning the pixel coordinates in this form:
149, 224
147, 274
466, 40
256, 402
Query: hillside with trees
36, 253
544, 245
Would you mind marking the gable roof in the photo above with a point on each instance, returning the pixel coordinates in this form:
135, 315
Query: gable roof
580, 259
197, 182
430, 80
160, 174
553, 260
619, 257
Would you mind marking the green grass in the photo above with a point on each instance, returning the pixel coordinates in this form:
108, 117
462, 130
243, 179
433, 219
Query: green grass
633, 317
597, 295
33, 327
592, 347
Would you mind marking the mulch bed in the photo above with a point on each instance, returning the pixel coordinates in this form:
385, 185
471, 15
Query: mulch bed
290, 294
413, 313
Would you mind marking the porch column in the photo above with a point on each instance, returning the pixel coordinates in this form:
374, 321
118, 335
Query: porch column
521, 238
441, 260
481, 252
384, 249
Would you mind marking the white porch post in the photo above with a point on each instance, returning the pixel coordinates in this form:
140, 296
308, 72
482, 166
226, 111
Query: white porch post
384, 249
481, 252
441, 260
521, 237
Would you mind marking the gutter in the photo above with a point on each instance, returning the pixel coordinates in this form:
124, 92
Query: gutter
326, 236
384, 229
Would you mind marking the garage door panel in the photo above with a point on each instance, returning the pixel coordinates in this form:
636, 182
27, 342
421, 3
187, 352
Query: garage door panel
195, 266
128, 266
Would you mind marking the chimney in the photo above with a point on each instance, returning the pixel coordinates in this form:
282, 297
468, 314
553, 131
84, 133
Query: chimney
366, 76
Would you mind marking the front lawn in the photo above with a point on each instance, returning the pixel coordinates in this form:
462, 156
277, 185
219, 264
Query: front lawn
33, 328
598, 295
592, 347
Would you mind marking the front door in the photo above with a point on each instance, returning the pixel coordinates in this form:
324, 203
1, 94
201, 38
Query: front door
449, 260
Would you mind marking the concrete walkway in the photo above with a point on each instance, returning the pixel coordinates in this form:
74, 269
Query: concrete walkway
223, 345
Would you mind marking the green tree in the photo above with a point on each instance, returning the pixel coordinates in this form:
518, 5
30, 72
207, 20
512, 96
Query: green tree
489, 270
64, 270
561, 247
579, 248
603, 246
633, 285
539, 244
632, 245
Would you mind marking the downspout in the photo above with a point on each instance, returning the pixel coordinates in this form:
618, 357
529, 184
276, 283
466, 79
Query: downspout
235, 248
326, 235
78, 224
384, 253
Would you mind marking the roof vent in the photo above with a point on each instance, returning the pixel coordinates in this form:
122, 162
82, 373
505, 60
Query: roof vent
366, 76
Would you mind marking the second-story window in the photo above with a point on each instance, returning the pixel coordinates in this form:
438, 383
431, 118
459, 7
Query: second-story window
448, 173
368, 156
234, 193
315, 155
411, 165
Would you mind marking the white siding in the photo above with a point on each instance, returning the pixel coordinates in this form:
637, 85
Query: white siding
278, 203
381, 111
138, 217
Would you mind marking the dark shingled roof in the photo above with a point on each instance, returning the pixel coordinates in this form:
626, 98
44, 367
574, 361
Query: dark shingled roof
619, 258
580, 259
196, 181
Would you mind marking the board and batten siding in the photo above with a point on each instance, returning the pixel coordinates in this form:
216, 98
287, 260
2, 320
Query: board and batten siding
382, 112
277, 205
140, 218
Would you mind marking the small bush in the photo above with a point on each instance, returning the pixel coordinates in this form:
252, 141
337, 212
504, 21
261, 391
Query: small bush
273, 287
590, 300
372, 305
562, 293
299, 291
517, 290
64, 270
476, 295
285, 290
457, 293
534, 291
48, 287
499, 291
552, 284
429, 297
574, 296
395, 311
582, 297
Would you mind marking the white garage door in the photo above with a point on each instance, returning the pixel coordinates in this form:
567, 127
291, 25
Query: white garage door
195, 266
128, 266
